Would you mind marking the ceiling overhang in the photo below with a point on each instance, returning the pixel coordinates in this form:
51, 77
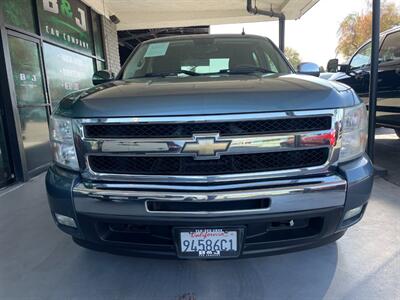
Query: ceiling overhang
140, 14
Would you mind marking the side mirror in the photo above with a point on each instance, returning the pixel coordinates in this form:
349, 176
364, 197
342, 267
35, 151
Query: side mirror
333, 65
344, 69
103, 76
308, 68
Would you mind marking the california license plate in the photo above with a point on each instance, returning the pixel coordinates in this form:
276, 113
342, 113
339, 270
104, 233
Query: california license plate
209, 242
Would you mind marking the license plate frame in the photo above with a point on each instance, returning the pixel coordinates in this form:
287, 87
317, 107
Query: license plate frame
240, 231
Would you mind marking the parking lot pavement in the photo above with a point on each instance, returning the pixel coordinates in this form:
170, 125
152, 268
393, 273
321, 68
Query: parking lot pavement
37, 261
387, 153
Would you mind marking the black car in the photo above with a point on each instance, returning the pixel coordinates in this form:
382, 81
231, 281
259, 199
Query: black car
356, 73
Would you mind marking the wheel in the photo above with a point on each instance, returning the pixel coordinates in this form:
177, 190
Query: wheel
397, 132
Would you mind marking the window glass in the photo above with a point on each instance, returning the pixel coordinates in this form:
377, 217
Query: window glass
391, 48
18, 13
204, 56
27, 73
35, 136
67, 72
211, 65
97, 36
66, 22
270, 63
100, 65
136, 64
28, 83
362, 58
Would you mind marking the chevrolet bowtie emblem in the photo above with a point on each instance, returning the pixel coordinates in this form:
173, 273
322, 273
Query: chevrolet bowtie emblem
206, 146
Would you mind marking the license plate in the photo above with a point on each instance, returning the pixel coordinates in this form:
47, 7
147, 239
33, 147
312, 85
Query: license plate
209, 242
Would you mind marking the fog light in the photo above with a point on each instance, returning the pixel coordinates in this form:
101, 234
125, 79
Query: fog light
64, 220
352, 213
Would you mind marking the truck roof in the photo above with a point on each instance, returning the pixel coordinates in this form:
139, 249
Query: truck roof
393, 29
202, 36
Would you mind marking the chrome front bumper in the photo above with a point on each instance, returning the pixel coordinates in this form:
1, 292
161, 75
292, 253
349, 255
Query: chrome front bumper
284, 196
324, 198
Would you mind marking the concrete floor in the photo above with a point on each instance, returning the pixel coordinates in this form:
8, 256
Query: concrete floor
387, 148
37, 261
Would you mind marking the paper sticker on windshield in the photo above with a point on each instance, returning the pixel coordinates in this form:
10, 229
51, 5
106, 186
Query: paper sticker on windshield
157, 49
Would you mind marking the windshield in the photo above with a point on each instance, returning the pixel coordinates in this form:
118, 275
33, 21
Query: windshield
205, 56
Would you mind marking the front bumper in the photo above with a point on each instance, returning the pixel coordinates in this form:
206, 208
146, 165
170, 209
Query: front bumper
117, 217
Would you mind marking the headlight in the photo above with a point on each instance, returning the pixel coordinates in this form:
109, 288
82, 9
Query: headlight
354, 137
62, 143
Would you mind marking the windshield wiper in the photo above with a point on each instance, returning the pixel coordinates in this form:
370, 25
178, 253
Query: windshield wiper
173, 73
240, 70
246, 70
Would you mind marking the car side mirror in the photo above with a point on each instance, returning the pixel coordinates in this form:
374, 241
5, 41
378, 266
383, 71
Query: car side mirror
308, 68
344, 69
102, 76
333, 65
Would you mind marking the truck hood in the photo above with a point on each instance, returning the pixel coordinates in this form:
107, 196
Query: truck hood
171, 96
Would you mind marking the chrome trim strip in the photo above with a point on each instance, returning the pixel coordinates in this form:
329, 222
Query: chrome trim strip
237, 144
216, 187
303, 196
90, 174
162, 147
209, 118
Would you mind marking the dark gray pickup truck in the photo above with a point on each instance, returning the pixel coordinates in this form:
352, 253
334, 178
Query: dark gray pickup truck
209, 146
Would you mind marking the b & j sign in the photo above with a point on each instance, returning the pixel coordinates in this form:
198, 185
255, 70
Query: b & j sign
66, 22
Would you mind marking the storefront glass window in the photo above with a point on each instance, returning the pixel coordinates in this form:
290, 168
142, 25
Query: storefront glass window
98, 41
29, 90
47, 68
100, 65
27, 73
35, 136
18, 13
66, 22
67, 72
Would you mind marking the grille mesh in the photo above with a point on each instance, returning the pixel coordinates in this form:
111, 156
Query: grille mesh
224, 128
227, 164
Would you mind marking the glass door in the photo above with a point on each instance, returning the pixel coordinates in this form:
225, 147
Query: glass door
33, 108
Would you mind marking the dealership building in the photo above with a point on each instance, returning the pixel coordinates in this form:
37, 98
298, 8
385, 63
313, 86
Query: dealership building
49, 48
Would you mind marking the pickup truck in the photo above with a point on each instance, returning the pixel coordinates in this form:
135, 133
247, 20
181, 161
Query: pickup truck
356, 73
209, 146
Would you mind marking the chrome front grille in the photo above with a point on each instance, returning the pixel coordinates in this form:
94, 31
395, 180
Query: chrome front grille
253, 146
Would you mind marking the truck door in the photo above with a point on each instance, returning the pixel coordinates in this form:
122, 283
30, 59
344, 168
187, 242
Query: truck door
358, 73
388, 105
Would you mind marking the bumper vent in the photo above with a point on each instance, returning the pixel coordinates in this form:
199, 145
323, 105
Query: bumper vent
208, 206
